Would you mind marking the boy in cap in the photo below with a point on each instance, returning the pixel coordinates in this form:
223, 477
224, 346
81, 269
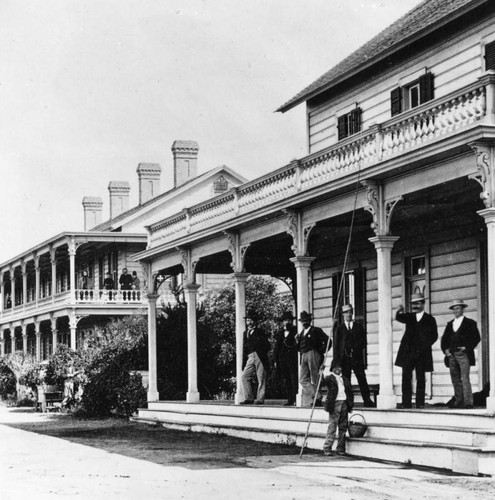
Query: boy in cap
460, 338
415, 349
338, 404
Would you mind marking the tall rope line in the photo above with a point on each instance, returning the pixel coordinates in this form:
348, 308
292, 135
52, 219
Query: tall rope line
334, 314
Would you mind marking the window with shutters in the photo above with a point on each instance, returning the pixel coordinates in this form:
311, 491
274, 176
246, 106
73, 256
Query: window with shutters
412, 95
349, 124
490, 56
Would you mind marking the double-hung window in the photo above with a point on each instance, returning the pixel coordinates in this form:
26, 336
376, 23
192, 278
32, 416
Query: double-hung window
349, 124
412, 95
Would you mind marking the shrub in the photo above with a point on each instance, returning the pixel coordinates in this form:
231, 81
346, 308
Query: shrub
7, 381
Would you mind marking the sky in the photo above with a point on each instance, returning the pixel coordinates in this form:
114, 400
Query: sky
91, 88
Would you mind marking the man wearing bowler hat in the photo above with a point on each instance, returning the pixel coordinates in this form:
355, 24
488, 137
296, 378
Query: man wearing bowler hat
349, 352
460, 338
415, 349
285, 356
312, 342
256, 364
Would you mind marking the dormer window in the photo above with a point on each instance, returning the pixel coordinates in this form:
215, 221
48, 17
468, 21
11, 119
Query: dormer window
349, 124
220, 185
412, 95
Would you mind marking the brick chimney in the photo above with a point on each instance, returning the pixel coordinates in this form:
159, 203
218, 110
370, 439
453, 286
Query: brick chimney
93, 207
149, 181
119, 197
185, 161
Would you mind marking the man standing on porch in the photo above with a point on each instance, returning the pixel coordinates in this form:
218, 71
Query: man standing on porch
460, 338
256, 347
415, 349
312, 342
349, 351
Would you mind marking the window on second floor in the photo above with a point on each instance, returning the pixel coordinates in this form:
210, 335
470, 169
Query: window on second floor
412, 95
490, 56
349, 124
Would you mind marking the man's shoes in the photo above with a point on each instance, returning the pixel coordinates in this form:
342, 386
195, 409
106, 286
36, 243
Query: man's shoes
247, 402
289, 403
328, 453
369, 404
402, 406
469, 407
318, 402
257, 402
341, 453
419, 406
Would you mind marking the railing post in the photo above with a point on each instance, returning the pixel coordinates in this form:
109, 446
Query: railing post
488, 80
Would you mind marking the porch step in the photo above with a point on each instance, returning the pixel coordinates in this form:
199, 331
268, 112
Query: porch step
406, 436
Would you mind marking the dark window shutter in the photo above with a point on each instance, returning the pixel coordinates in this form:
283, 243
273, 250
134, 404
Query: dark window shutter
360, 295
355, 119
336, 277
341, 127
490, 55
396, 101
426, 89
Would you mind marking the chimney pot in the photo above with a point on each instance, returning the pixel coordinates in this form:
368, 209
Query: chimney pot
93, 207
119, 197
185, 161
149, 181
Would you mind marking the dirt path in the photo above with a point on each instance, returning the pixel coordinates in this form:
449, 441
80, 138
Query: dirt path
55, 456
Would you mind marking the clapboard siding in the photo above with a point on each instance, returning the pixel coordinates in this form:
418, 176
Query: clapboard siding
455, 63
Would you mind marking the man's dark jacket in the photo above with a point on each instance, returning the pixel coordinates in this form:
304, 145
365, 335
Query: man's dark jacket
333, 391
469, 337
256, 342
316, 339
417, 340
350, 346
285, 349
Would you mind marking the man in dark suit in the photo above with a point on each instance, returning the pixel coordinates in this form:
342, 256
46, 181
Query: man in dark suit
256, 364
312, 343
285, 356
460, 338
415, 349
349, 352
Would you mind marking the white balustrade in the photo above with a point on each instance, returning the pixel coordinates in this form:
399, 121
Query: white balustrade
109, 296
411, 129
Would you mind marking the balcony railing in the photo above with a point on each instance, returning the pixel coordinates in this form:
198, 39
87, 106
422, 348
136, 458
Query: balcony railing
412, 129
109, 296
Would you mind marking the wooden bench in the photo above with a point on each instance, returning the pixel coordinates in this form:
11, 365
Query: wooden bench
50, 401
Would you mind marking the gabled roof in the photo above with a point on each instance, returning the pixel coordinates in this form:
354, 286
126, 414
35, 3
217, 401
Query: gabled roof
116, 222
424, 18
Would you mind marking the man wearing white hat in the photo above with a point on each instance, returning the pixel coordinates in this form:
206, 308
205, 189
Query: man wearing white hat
415, 349
460, 338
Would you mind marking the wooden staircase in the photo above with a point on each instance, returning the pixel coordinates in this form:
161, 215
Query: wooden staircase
457, 440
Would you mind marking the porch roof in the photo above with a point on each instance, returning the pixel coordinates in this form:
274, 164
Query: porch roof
425, 18
80, 236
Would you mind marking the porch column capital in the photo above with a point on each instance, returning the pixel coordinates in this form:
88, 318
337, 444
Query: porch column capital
384, 242
240, 277
302, 262
152, 297
191, 288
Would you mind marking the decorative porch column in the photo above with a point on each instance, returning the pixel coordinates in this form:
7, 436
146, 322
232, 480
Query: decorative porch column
73, 331
72, 266
37, 279
12, 287
2, 342
153, 394
238, 254
53, 262
37, 333
240, 280
303, 267
12, 338
384, 244
2, 293
24, 337
24, 283
53, 322
191, 290
381, 210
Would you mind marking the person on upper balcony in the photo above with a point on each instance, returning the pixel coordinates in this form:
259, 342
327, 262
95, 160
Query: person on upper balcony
136, 282
108, 283
85, 282
125, 280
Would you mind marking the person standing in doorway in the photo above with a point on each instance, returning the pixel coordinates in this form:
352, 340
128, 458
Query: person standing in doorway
285, 356
349, 351
256, 366
415, 349
460, 338
312, 342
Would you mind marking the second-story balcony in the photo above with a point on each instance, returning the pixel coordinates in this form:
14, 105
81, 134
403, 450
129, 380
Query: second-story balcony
435, 127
